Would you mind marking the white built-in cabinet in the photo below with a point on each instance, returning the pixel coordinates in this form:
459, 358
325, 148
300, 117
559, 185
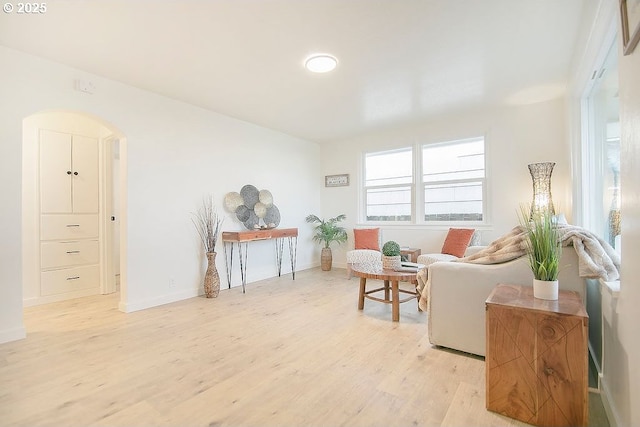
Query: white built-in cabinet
69, 206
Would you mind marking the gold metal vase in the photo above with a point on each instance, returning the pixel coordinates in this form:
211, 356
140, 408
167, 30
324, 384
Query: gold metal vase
211, 277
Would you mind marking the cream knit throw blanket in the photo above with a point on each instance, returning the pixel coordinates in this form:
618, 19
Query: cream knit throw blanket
596, 258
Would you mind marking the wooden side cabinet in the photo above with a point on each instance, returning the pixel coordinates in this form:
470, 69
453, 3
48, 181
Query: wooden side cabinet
537, 357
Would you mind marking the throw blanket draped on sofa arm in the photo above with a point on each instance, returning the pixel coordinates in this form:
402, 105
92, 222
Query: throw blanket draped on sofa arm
596, 258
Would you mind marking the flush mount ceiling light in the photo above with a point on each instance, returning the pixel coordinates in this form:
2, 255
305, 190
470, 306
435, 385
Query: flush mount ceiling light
321, 63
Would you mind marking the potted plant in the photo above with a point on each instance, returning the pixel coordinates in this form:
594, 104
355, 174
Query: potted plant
207, 225
544, 248
391, 255
327, 232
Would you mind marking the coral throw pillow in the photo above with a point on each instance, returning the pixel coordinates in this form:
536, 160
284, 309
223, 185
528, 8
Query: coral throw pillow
367, 238
457, 241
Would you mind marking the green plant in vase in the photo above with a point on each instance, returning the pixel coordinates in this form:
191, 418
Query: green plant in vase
325, 233
544, 248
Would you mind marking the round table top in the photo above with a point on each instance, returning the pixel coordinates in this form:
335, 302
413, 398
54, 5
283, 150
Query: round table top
375, 271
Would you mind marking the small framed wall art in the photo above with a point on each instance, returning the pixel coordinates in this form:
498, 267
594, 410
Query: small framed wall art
341, 180
630, 20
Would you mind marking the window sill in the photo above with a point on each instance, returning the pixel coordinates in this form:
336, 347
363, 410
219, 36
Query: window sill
612, 288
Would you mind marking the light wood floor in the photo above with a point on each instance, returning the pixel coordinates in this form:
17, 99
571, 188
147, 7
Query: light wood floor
286, 353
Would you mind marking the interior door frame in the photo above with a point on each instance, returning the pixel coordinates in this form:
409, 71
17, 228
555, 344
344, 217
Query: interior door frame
51, 119
108, 277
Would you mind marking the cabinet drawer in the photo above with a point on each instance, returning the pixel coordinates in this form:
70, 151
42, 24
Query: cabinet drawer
68, 227
69, 279
69, 253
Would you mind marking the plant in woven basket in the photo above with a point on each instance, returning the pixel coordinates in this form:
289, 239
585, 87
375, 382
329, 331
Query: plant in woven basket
391, 248
327, 232
391, 255
207, 224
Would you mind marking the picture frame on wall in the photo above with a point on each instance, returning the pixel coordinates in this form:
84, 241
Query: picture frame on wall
341, 180
630, 20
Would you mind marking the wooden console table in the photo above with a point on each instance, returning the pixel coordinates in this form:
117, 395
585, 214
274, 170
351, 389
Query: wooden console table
537, 359
242, 238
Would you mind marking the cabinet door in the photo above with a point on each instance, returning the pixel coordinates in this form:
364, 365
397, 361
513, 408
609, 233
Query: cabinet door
55, 172
84, 160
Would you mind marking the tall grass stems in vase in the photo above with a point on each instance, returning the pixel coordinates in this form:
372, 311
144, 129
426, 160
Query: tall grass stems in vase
544, 248
207, 224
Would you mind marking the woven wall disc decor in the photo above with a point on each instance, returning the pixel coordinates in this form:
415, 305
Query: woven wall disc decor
232, 201
254, 208
250, 195
243, 213
265, 197
272, 218
260, 209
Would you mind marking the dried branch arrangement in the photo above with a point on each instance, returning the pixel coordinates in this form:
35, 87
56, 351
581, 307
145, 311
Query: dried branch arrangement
207, 224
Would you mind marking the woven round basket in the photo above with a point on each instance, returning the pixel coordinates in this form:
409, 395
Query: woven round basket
391, 262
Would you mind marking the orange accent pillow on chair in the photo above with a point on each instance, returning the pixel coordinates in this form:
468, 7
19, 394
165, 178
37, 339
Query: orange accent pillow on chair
457, 241
367, 238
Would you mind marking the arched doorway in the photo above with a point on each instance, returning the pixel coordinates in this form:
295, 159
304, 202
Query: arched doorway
73, 248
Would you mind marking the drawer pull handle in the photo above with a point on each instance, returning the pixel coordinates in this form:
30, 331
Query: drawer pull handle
73, 252
73, 225
73, 278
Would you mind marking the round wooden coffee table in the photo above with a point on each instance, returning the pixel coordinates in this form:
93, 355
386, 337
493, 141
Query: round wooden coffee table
375, 271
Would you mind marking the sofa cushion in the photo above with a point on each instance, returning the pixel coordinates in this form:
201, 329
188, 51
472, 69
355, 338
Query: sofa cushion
428, 259
367, 238
457, 241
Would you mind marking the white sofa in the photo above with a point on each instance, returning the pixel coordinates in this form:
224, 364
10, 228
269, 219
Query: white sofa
428, 259
458, 291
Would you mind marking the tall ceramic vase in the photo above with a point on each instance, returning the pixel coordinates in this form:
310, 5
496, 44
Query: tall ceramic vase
211, 277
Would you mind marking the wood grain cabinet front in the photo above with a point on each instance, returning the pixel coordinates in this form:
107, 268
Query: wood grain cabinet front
537, 358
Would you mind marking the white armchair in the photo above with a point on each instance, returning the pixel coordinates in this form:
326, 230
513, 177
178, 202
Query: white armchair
367, 242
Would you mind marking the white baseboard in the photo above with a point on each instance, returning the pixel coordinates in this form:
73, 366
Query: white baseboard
128, 307
609, 408
14, 334
33, 301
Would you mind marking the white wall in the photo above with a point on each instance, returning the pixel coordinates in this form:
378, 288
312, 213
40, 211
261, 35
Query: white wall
514, 136
175, 154
624, 375
621, 378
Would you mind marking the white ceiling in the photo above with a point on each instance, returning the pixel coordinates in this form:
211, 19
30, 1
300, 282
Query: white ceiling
400, 61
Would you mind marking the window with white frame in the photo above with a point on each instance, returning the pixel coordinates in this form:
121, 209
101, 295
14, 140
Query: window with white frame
453, 179
601, 190
388, 182
450, 186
